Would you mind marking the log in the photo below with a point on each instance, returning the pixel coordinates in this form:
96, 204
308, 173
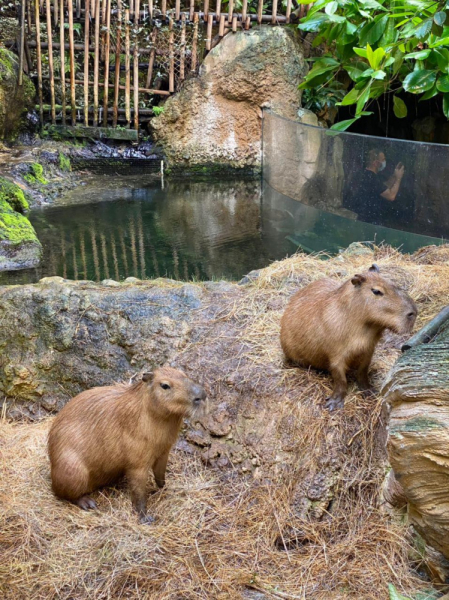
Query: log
429, 331
101, 133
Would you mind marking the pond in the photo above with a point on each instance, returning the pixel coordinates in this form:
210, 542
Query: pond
122, 225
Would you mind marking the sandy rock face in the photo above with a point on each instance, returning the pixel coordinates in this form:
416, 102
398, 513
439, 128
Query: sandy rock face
217, 116
417, 388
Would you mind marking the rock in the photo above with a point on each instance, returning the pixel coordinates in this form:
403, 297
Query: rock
19, 246
15, 100
216, 118
63, 337
417, 389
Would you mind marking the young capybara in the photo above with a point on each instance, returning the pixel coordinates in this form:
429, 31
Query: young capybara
336, 327
122, 430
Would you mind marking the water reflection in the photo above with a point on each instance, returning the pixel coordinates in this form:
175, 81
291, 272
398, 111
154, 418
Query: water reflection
188, 230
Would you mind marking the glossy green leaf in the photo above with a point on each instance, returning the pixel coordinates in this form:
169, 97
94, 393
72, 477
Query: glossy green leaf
429, 94
379, 74
443, 83
419, 81
446, 105
373, 31
420, 55
350, 98
360, 52
331, 8
344, 125
315, 23
363, 99
439, 18
423, 30
399, 107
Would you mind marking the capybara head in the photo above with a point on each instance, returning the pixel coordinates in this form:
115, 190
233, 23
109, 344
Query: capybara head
173, 392
382, 303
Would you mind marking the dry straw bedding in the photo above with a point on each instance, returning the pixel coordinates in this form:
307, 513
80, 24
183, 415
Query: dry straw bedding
224, 533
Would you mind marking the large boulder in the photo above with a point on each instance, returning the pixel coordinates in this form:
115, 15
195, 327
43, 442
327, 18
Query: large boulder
216, 118
15, 99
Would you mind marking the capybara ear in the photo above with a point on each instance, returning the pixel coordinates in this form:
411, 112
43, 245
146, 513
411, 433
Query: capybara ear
374, 268
147, 376
358, 280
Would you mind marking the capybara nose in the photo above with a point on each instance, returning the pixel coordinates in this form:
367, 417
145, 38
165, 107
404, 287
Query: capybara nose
199, 394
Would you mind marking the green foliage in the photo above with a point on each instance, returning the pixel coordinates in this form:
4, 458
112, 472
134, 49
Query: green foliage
383, 46
158, 110
322, 97
64, 162
12, 194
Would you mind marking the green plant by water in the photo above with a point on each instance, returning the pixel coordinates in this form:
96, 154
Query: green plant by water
384, 47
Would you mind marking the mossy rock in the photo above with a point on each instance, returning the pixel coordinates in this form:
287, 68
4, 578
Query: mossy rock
15, 99
13, 195
19, 246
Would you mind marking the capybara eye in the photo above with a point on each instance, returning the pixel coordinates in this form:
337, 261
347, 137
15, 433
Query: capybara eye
377, 292
165, 386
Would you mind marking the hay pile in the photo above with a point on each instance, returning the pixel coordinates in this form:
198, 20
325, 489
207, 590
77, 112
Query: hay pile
285, 506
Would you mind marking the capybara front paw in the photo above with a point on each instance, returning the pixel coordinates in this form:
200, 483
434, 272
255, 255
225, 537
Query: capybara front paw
86, 503
334, 403
146, 520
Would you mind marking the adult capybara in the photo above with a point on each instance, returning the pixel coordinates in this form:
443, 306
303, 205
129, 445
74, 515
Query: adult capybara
336, 327
122, 430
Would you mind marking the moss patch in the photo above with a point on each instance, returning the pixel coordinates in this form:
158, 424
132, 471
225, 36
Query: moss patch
64, 162
36, 175
13, 195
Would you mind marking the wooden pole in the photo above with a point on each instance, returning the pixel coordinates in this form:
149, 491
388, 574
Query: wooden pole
152, 56
245, 10
39, 59
28, 16
210, 21
50, 64
221, 26
96, 61
182, 49
164, 8
177, 9
150, 11
192, 10
22, 40
78, 9
194, 43
62, 55
230, 11
218, 9
234, 23
86, 64
55, 13
136, 65
247, 23
259, 12
127, 70
106, 62
274, 12
117, 63
72, 62
171, 43
206, 9
288, 10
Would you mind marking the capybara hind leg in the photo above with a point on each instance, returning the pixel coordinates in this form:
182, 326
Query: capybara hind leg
137, 480
86, 503
70, 479
159, 470
340, 388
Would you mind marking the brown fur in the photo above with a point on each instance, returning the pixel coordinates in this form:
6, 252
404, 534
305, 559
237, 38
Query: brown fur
336, 327
122, 430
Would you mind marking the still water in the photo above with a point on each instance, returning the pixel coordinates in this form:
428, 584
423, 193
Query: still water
121, 226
